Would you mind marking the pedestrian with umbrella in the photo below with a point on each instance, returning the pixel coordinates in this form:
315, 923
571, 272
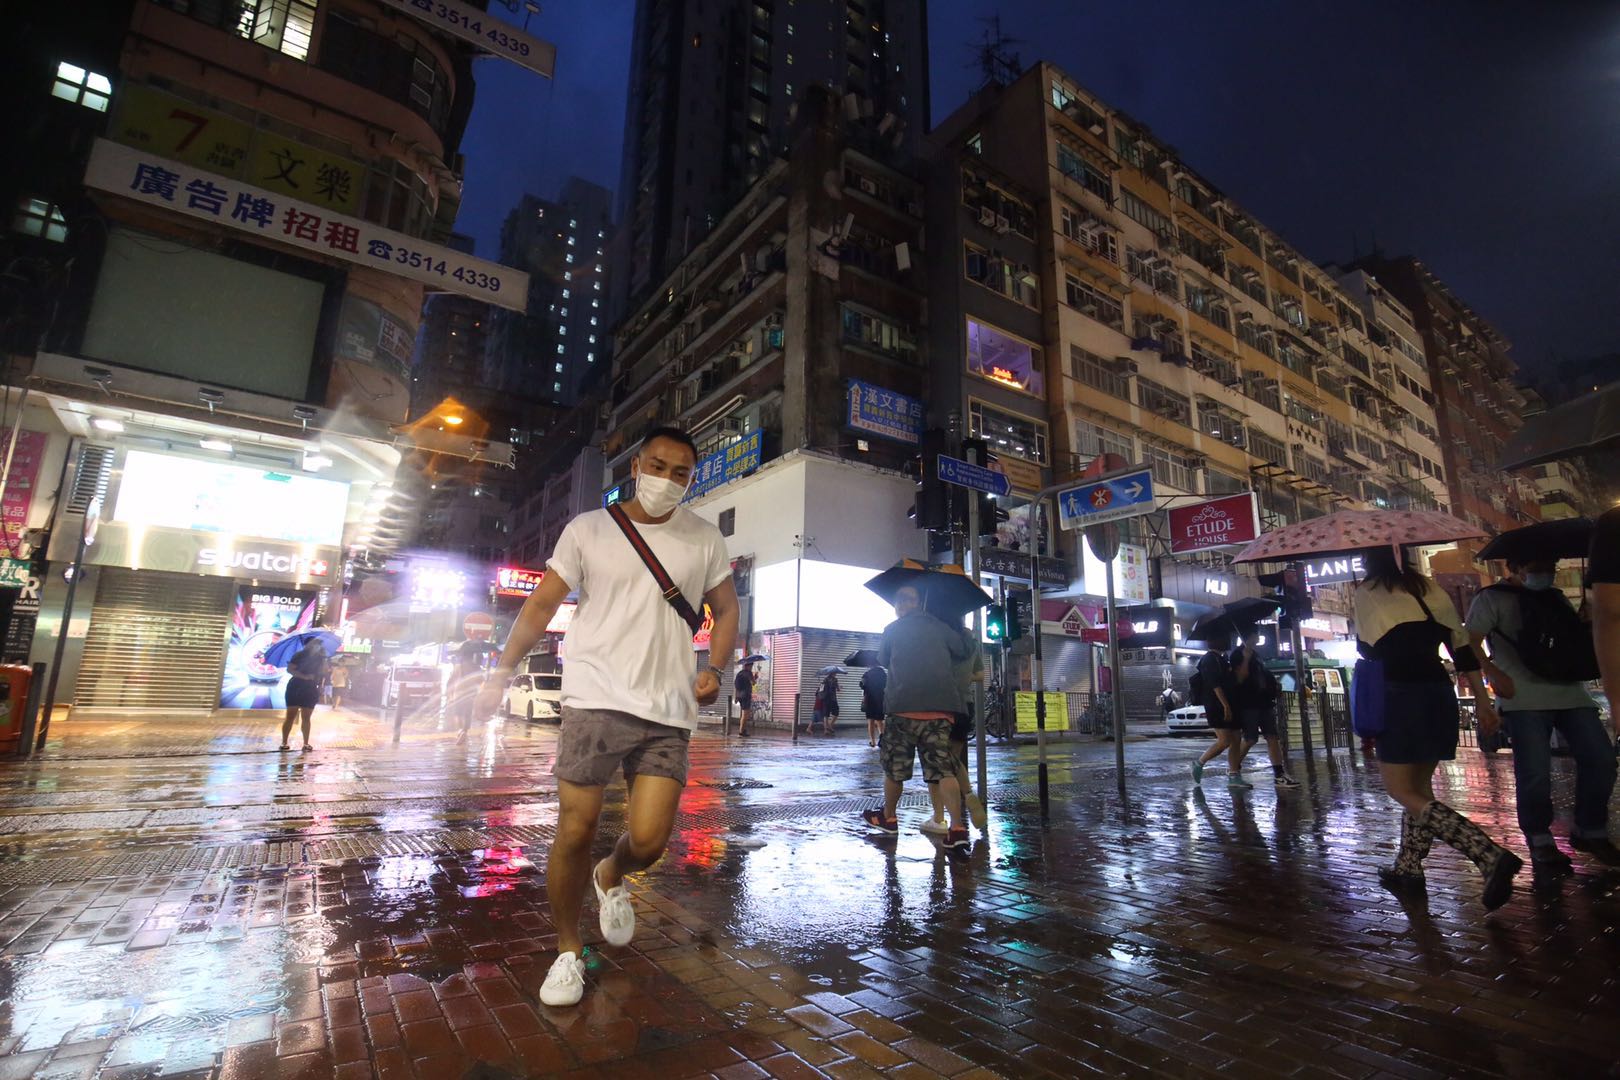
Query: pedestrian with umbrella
921, 650
1214, 687
1402, 619
304, 656
874, 682
826, 707
1255, 689
1403, 700
743, 684
1540, 657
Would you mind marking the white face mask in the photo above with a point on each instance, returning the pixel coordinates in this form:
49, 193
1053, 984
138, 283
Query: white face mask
657, 495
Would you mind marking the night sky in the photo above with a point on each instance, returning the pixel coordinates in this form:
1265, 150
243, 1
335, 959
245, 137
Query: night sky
1483, 137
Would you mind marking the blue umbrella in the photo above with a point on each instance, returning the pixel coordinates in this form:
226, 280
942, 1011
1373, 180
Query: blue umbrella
281, 653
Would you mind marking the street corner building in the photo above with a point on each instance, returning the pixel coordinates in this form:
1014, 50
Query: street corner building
227, 219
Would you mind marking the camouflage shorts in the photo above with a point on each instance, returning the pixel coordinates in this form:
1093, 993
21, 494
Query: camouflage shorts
596, 743
904, 739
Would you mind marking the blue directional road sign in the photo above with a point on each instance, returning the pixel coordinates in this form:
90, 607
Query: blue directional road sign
965, 474
1098, 501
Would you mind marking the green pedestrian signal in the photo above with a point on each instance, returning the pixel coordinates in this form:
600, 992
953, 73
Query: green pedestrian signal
995, 622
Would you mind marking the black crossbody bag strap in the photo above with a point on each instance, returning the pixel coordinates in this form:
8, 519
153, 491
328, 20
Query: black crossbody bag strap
666, 585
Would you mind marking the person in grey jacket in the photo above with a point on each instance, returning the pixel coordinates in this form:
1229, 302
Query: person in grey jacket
921, 653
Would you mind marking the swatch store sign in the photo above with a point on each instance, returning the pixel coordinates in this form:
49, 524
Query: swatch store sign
194, 516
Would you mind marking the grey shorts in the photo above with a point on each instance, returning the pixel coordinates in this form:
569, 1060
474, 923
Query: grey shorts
595, 742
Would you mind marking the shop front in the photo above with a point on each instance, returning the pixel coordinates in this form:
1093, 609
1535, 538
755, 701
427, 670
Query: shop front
191, 569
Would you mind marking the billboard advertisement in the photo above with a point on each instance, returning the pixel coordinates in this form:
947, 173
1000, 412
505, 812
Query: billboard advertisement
262, 617
1214, 524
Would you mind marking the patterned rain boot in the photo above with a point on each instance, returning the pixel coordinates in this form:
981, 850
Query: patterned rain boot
1496, 863
1406, 876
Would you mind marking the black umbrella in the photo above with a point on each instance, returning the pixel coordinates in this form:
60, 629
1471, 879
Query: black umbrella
1211, 623
1239, 617
1565, 538
756, 658
946, 590
1250, 611
1584, 424
862, 658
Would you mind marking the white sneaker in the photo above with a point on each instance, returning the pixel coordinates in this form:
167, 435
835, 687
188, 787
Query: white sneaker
618, 916
565, 982
938, 828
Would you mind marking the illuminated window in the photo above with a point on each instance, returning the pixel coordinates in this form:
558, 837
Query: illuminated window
570, 256
559, 368
36, 217
87, 88
556, 387
560, 348
565, 294
1004, 359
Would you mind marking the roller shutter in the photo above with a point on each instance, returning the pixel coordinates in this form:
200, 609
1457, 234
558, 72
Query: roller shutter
156, 641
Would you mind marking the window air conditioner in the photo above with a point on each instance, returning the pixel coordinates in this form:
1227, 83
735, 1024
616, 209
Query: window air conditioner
1003, 225
987, 216
868, 186
1089, 309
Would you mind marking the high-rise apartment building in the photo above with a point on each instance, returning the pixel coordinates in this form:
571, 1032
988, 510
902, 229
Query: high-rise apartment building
1477, 404
559, 347
1091, 293
714, 85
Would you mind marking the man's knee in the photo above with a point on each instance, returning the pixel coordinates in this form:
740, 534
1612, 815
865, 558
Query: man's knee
646, 846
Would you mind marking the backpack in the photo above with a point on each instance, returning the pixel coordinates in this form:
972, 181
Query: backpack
1553, 642
1195, 688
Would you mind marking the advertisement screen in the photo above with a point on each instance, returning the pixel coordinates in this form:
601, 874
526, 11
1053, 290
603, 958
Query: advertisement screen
207, 496
263, 616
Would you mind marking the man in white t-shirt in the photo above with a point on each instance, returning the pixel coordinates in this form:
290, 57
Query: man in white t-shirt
630, 694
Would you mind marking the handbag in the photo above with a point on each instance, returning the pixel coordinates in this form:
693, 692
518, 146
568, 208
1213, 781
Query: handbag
666, 584
1369, 689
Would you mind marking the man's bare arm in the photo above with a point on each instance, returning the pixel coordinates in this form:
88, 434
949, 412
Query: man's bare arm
538, 611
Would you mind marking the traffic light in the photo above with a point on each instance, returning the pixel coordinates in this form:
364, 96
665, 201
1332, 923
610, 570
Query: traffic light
990, 515
995, 622
1015, 616
929, 509
1295, 597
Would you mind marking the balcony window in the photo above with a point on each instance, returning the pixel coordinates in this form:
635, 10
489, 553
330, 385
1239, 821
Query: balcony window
88, 88
1256, 387
36, 217
1004, 359
1219, 483
1139, 211
282, 25
1266, 448
871, 331
1214, 365
1160, 400
1088, 232
1169, 468
1071, 164
1015, 282
1092, 303
1008, 433
1092, 440
1098, 373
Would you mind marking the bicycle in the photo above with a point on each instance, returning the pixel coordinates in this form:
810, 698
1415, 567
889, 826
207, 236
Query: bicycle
998, 719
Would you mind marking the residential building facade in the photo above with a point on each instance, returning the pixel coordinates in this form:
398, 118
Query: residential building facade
1477, 405
790, 343
714, 89
229, 216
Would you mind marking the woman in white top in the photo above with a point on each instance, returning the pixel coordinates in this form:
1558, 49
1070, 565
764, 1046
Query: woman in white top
1402, 620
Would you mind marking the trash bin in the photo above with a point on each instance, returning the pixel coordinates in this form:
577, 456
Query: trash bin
14, 680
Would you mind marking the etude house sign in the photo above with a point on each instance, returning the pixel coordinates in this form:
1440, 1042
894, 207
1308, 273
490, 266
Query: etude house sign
1217, 523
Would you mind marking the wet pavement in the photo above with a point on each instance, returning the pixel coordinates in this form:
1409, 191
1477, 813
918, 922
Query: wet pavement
179, 899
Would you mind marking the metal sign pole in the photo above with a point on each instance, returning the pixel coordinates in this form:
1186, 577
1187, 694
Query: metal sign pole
1115, 684
971, 557
1040, 666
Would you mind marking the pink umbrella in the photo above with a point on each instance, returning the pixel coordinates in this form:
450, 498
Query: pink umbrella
1357, 530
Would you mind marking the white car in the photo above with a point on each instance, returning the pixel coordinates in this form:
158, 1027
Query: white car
534, 697
1186, 718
